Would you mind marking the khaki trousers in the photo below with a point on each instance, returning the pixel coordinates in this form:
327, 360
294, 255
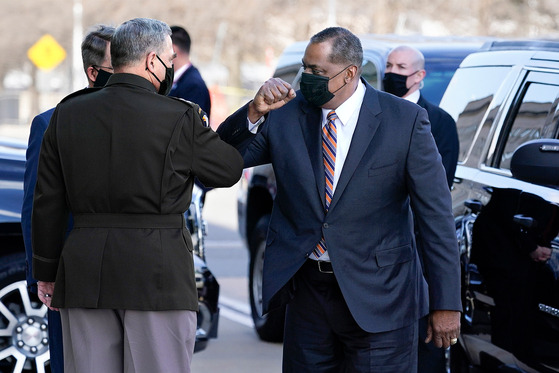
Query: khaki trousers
126, 341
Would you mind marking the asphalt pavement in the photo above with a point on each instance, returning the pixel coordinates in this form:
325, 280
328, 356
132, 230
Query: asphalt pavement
237, 348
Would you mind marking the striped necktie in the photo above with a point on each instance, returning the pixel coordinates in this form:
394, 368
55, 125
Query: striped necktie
329, 139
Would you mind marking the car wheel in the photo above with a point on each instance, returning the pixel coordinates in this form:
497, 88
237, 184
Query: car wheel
270, 326
24, 343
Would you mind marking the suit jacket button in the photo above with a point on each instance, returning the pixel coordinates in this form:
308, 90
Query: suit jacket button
325, 225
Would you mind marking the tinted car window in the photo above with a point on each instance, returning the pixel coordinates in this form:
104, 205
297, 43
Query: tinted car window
437, 79
469, 109
287, 73
370, 73
538, 102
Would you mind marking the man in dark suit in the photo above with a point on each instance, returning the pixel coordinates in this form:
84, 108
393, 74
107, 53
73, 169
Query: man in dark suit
404, 74
350, 164
96, 57
122, 160
188, 82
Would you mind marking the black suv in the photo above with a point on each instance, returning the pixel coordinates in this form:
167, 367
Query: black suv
505, 100
24, 341
258, 186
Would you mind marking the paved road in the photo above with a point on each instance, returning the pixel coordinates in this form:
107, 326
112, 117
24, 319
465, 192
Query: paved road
237, 348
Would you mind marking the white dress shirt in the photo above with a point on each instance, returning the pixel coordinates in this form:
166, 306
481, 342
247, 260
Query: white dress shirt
414, 97
348, 113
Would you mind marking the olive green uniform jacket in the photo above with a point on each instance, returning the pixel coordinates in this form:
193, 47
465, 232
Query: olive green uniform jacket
122, 160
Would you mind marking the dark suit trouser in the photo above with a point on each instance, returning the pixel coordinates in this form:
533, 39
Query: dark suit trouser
431, 359
125, 341
55, 342
321, 335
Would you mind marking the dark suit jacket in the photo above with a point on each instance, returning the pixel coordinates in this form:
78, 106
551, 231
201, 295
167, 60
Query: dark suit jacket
192, 87
443, 128
392, 163
38, 127
122, 160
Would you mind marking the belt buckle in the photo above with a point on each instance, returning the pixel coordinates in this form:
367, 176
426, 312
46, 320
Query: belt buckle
320, 267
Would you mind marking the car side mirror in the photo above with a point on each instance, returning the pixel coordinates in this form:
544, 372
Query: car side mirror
537, 162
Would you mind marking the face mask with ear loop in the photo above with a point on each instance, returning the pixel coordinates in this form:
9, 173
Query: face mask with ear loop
102, 76
396, 83
315, 88
166, 84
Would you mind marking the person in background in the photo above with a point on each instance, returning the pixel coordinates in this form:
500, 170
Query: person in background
351, 163
96, 59
188, 83
122, 161
404, 74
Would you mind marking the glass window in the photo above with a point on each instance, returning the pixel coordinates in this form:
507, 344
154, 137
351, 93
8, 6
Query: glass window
468, 98
371, 74
437, 79
289, 73
530, 120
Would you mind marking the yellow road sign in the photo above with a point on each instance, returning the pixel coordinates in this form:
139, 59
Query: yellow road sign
46, 53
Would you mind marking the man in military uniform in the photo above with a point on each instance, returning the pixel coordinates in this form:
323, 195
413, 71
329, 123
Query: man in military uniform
123, 160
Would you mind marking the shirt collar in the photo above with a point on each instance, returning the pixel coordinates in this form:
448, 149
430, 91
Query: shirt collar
179, 72
348, 107
414, 97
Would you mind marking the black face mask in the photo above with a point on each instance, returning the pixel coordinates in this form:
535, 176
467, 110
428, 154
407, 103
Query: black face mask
102, 77
315, 88
396, 84
167, 83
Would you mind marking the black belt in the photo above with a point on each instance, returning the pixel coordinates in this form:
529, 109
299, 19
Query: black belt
320, 266
128, 221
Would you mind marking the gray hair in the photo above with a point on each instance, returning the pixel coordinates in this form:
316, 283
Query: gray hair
94, 45
135, 39
346, 47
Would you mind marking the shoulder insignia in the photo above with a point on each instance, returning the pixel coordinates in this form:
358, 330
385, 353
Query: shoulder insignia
204, 117
191, 104
201, 113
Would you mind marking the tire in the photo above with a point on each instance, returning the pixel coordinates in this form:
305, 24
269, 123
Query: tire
269, 327
24, 339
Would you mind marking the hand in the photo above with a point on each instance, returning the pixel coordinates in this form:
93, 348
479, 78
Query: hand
443, 326
541, 254
45, 290
273, 94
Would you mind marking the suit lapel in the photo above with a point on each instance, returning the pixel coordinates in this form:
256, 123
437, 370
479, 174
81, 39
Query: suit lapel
367, 125
311, 128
